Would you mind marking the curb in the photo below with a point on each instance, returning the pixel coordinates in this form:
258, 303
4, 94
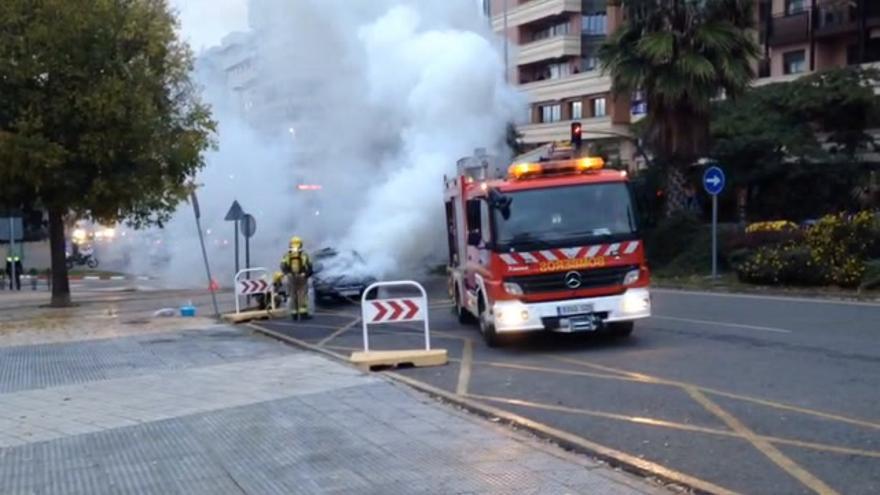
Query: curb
568, 441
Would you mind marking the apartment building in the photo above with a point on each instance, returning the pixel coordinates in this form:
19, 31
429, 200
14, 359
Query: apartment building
552, 57
802, 36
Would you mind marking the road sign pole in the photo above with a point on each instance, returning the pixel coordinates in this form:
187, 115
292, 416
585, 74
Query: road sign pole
234, 215
198, 214
713, 182
714, 236
236, 248
11, 254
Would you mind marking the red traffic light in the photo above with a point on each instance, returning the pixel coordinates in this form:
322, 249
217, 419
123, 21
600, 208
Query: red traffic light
576, 135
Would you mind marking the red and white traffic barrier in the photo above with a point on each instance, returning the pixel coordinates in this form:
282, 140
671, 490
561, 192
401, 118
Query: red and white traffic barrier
250, 287
394, 310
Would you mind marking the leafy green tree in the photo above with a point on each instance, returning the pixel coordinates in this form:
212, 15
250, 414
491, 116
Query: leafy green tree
806, 149
99, 118
682, 54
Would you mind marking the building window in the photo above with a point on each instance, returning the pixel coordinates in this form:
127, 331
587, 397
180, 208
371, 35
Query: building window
559, 70
589, 63
551, 113
594, 24
598, 107
795, 6
577, 110
549, 32
794, 62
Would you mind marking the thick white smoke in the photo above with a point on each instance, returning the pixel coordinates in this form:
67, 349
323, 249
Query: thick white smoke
384, 97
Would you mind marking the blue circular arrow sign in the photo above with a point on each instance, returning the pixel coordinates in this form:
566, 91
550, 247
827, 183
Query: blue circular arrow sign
713, 180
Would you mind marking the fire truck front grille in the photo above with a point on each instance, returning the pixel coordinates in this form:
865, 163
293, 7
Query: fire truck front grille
589, 279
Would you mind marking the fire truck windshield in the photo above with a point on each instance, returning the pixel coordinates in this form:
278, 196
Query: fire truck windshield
553, 217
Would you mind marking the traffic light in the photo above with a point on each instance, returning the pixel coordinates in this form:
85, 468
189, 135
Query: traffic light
576, 135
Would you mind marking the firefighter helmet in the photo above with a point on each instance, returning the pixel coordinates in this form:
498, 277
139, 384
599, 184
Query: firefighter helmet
296, 243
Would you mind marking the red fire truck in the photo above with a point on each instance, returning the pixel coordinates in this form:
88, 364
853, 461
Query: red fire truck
549, 245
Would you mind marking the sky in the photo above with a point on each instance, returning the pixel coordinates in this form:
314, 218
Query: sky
205, 22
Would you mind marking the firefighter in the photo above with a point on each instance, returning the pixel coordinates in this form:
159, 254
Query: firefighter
297, 268
14, 261
278, 286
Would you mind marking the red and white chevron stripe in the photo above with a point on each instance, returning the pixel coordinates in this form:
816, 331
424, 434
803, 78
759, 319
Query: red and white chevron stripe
572, 253
393, 310
247, 287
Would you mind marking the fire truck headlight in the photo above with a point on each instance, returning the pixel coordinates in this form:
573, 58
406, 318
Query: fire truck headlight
513, 289
631, 277
635, 302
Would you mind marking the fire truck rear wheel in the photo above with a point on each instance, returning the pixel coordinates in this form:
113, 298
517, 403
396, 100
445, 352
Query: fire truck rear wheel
621, 328
463, 315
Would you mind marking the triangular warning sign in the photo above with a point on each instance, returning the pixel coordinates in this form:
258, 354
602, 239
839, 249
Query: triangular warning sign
235, 212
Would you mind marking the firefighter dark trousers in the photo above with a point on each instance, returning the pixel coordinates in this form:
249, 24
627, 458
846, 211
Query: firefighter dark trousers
298, 294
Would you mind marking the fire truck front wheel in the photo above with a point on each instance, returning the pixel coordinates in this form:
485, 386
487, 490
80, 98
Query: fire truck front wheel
621, 328
487, 328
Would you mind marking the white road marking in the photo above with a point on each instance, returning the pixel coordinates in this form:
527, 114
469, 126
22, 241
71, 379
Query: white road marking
796, 299
722, 324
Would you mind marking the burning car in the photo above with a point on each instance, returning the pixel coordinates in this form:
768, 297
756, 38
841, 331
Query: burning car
339, 274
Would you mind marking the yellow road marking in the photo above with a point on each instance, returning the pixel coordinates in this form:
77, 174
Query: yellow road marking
464, 367
763, 446
566, 438
339, 332
676, 426
639, 377
526, 367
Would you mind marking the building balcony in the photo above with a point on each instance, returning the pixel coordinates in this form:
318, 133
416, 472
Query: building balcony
831, 20
568, 45
586, 83
591, 128
533, 10
789, 29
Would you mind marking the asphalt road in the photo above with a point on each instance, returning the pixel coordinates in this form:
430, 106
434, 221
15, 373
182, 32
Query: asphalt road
753, 394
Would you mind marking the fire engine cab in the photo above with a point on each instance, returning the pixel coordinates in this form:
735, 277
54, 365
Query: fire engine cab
547, 245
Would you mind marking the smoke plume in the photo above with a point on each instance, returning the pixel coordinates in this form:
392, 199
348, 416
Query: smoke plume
372, 100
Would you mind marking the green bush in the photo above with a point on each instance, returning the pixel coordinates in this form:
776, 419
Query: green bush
790, 264
671, 236
871, 279
834, 251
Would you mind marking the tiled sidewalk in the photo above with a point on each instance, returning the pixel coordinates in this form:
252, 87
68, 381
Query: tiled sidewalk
220, 411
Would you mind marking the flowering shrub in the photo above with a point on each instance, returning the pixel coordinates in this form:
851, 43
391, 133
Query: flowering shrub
834, 251
774, 226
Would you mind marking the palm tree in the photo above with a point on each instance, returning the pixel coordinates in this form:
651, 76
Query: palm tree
681, 54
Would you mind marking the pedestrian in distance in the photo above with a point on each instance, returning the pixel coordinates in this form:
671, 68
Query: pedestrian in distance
14, 262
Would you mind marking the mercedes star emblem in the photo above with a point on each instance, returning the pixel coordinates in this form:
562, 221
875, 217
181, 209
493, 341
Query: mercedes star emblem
573, 280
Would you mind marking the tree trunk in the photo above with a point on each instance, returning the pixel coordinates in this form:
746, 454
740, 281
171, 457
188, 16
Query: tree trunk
60, 284
676, 195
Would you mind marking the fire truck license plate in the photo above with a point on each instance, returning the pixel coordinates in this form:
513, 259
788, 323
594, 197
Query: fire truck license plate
575, 309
